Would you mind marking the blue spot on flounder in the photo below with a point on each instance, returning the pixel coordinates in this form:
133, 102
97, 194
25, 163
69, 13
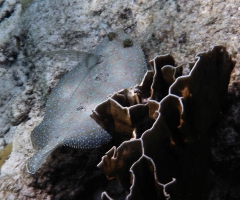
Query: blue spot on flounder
67, 120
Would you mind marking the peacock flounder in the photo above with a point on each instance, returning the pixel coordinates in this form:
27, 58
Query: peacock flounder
116, 63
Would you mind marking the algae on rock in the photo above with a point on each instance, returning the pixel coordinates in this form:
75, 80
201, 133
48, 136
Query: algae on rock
5, 153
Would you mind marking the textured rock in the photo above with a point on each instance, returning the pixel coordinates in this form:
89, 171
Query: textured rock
159, 26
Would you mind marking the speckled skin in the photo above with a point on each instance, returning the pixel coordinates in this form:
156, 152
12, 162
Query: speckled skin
109, 68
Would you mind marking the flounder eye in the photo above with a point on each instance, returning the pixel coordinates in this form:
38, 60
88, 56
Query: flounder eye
127, 43
111, 36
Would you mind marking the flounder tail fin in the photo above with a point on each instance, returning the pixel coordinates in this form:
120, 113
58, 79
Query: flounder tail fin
36, 161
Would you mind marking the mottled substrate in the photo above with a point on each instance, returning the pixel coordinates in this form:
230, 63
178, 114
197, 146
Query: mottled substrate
117, 62
177, 147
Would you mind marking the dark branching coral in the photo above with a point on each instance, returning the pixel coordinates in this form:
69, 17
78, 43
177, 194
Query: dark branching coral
108, 68
146, 185
164, 75
117, 162
171, 138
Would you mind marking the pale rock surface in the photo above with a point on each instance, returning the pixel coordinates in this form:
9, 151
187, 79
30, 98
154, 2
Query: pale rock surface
180, 27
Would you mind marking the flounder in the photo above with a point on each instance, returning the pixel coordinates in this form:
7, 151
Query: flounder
117, 62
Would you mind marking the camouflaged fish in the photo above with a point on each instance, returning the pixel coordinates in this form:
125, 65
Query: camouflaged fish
116, 63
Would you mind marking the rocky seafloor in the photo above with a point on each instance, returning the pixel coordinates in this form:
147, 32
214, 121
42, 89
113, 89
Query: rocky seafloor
181, 28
